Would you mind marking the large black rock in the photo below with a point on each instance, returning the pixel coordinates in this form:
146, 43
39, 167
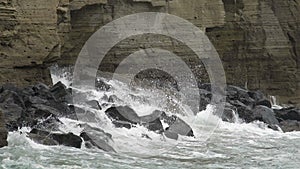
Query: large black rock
290, 125
153, 121
176, 126
48, 138
123, 113
97, 138
288, 114
267, 115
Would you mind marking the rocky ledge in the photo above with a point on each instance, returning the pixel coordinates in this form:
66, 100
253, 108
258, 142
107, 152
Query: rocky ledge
40, 108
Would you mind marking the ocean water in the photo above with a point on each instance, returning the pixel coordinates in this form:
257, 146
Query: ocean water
217, 144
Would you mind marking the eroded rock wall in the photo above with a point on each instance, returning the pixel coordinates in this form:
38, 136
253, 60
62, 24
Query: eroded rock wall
29, 39
258, 40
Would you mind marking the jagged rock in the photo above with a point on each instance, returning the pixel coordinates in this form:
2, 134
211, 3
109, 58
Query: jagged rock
98, 138
3, 131
290, 125
60, 92
30, 105
48, 138
237, 93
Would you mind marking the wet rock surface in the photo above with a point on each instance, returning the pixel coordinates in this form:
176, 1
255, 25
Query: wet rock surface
124, 116
41, 107
252, 106
98, 138
48, 138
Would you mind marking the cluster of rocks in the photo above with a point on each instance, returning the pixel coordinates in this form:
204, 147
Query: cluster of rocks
124, 116
253, 106
40, 107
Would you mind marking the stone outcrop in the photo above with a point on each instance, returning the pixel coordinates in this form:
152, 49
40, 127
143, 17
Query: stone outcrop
258, 40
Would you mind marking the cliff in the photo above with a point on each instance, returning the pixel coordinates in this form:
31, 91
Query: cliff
257, 40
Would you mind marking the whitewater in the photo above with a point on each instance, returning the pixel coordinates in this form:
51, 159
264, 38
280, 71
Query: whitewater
228, 145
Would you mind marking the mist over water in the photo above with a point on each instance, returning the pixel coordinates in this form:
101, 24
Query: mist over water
231, 145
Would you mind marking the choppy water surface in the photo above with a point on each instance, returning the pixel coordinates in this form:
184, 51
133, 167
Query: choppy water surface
231, 146
236, 145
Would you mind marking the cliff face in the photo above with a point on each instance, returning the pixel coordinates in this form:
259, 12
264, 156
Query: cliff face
258, 40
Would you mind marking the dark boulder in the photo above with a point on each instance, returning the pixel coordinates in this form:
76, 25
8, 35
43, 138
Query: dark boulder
267, 115
44, 111
11, 97
9, 87
94, 104
288, 114
12, 106
122, 124
256, 95
235, 93
171, 135
152, 121
12, 114
123, 113
61, 92
155, 126
124, 116
176, 126
290, 125
48, 138
228, 115
264, 102
3, 131
98, 138
244, 111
